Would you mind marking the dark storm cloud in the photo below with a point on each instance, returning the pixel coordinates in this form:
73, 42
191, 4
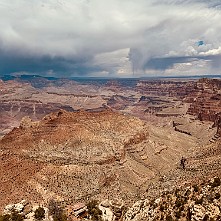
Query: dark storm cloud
165, 63
45, 65
74, 37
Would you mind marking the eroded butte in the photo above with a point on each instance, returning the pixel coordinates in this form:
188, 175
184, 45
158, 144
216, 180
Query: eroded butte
83, 154
111, 140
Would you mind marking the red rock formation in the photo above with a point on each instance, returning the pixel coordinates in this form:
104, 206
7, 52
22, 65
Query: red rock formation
206, 101
92, 144
15, 173
171, 88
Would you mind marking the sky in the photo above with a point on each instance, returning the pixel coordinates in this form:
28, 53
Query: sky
114, 38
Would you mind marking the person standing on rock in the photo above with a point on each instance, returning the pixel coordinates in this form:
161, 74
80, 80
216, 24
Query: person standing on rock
183, 162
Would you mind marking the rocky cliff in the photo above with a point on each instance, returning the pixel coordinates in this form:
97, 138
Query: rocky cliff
98, 153
173, 88
206, 101
192, 203
24, 98
83, 154
88, 154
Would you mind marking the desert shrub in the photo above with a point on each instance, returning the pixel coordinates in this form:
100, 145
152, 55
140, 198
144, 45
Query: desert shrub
169, 218
178, 214
182, 208
52, 207
94, 211
199, 201
56, 211
210, 198
5, 217
187, 193
59, 215
179, 202
183, 200
15, 216
218, 218
188, 215
162, 208
169, 197
206, 217
153, 204
92, 204
196, 188
165, 193
216, 182
177, 192
39, 213
217, 196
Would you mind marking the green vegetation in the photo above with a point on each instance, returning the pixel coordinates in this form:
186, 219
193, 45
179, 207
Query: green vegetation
39, 213
162, 208
206, 217
14, 216
217, 196
94, 211
188, 215
178, 214
178, 203
196, 188
187, 203
5, 217
216, 182
199, 201
169, 218
56, 211
187, 193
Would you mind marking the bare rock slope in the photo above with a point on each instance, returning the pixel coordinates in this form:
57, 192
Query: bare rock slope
74, 156
80, 155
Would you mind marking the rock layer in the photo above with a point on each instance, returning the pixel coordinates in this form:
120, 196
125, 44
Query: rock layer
206, 101
84, 154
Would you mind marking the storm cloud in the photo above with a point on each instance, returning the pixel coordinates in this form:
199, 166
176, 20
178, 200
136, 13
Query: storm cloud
110, 38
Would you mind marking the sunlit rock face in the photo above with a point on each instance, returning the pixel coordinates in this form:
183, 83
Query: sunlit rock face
206, 101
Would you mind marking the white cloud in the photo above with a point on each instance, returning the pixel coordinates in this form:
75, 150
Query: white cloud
116, 62
197, 67
215, 51
100, 32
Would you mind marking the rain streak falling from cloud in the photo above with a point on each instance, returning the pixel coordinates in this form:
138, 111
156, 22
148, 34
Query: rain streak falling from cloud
110, 38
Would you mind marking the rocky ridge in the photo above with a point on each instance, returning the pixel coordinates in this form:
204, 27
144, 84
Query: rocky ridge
87, 150
205, 101
38, 97
89, 154
102, 154
193, 203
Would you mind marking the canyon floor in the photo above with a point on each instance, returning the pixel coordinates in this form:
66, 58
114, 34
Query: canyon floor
115, 139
